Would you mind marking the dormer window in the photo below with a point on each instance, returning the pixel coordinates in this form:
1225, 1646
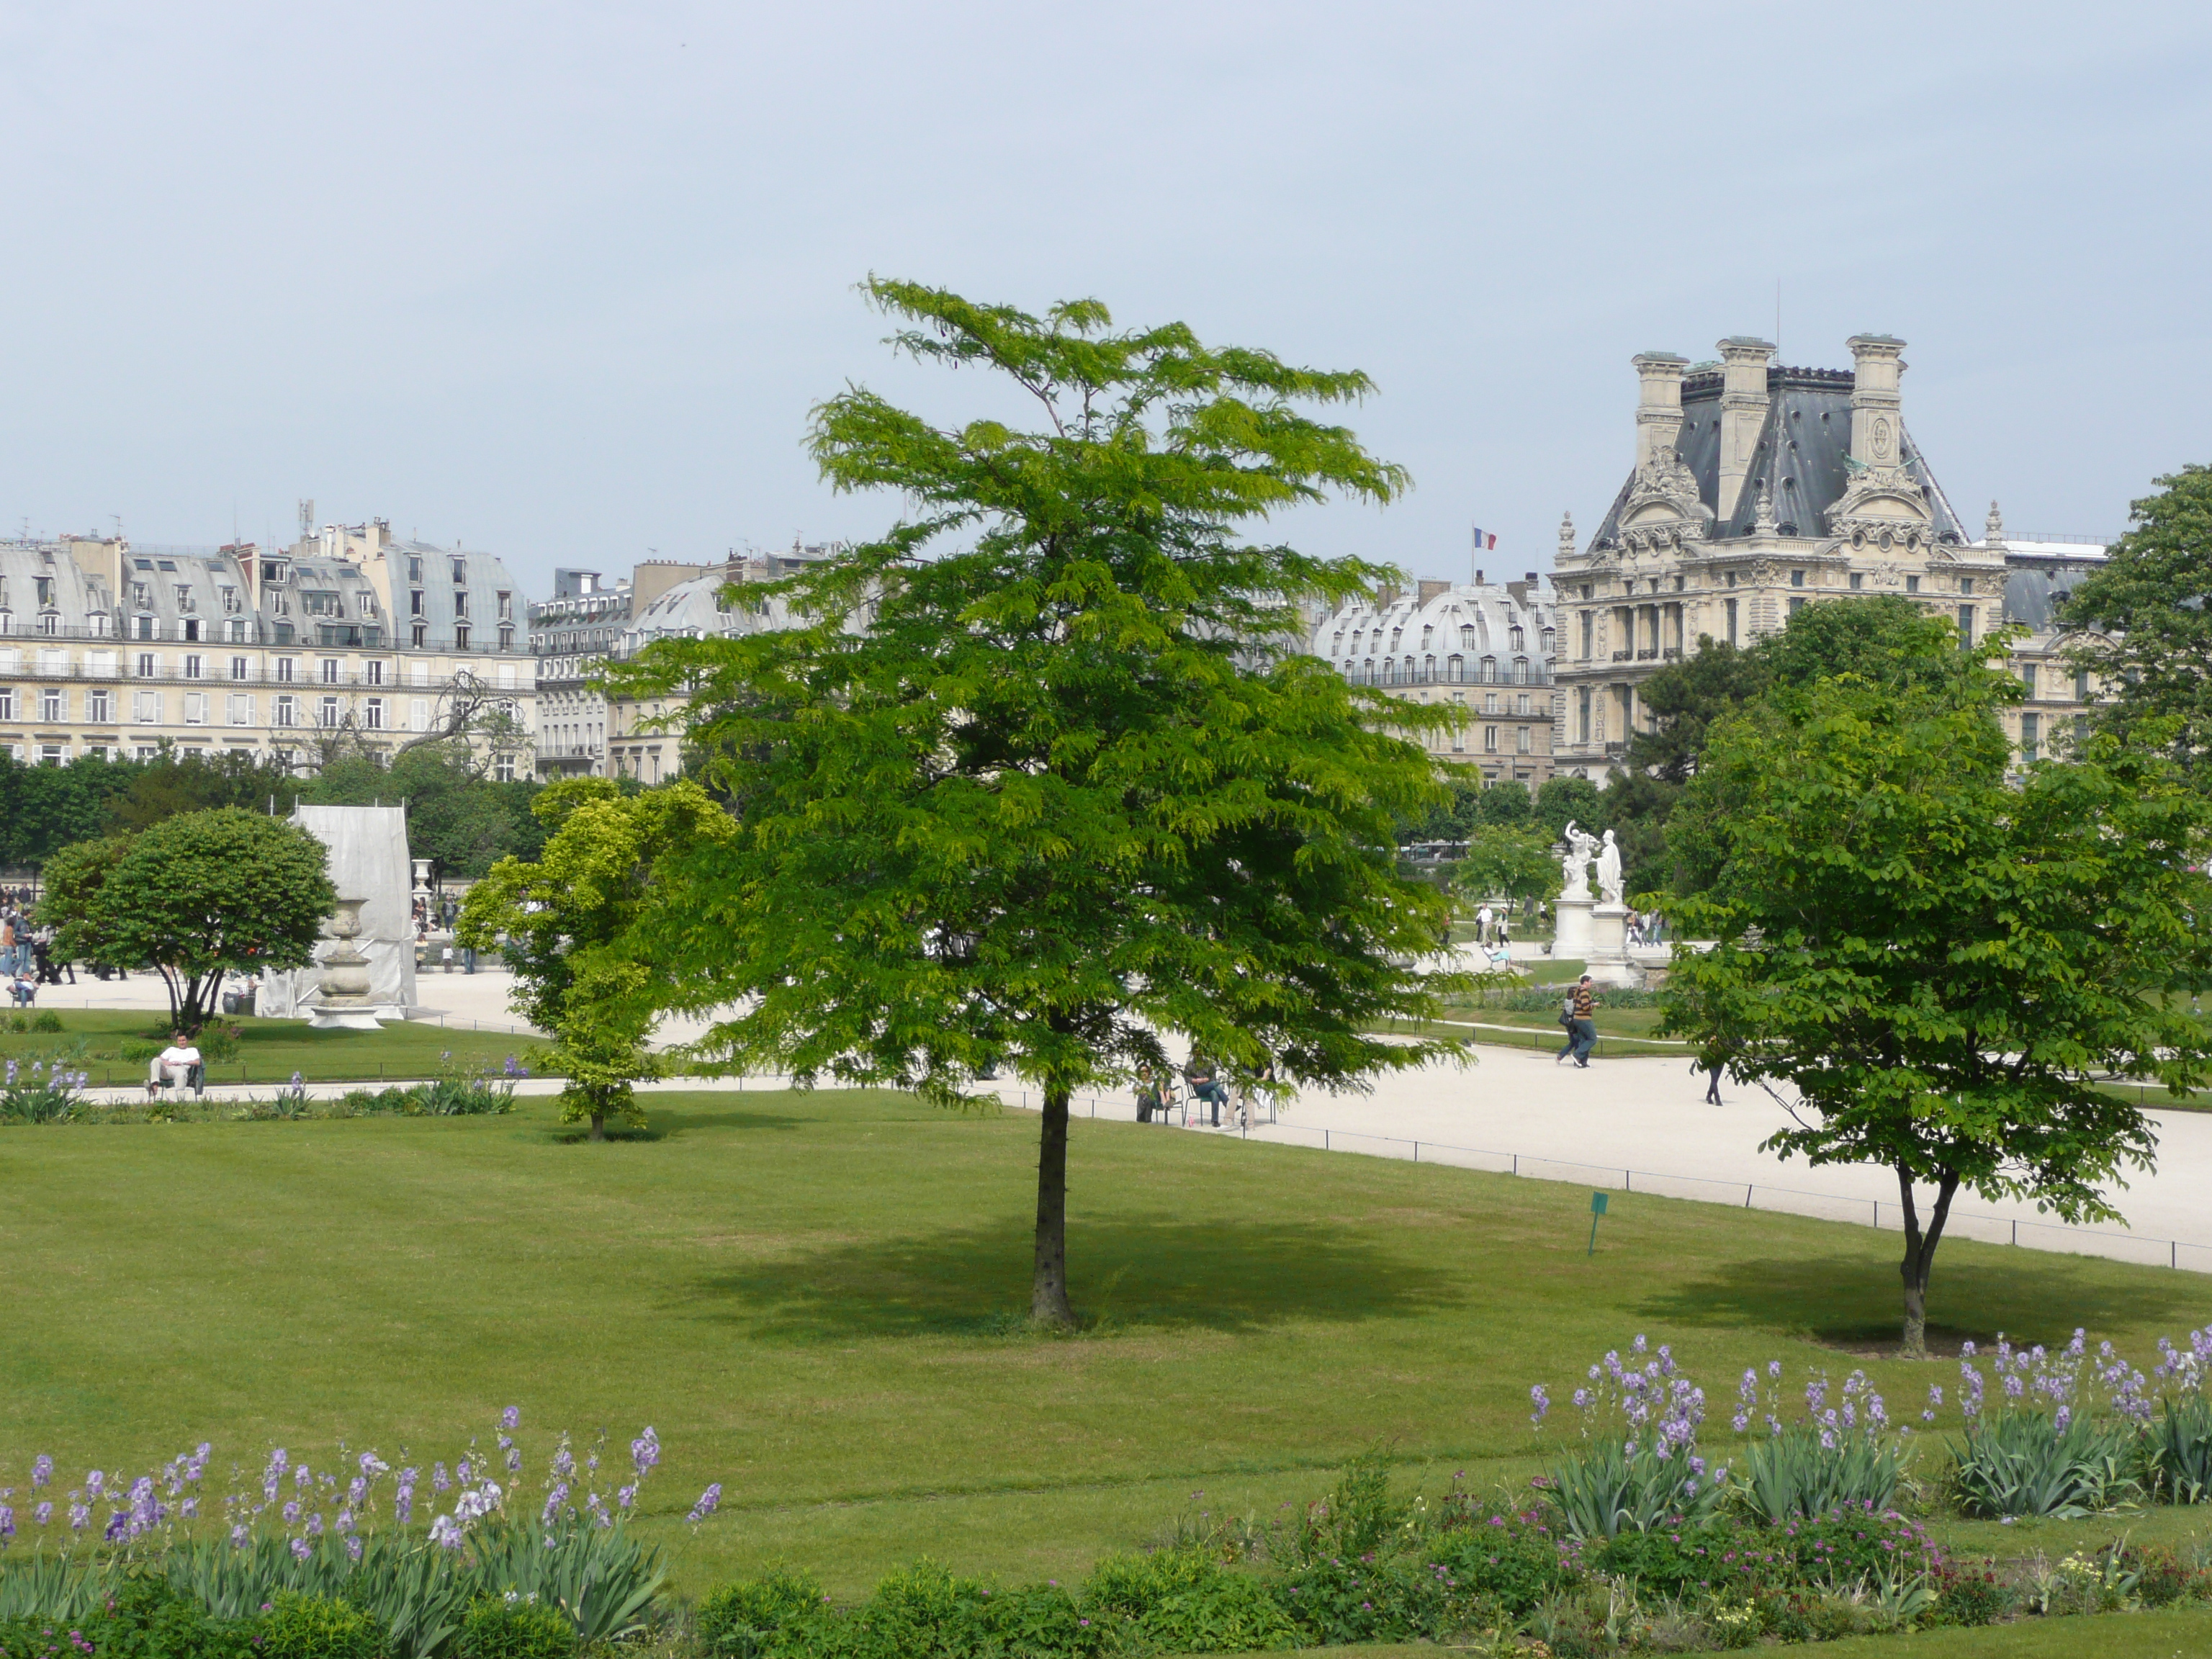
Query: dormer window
46, 592
142, 596
230, 605
1518, 638
460, 572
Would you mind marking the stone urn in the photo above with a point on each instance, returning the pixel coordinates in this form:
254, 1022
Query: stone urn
344, 1002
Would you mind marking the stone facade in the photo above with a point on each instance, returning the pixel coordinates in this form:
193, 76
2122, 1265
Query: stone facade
1484, 646
1758, 489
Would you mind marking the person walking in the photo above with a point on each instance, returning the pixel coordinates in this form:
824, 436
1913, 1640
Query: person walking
1579, 1017
1482, 921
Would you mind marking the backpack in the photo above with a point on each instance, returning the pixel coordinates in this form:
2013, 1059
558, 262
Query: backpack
1567, 1010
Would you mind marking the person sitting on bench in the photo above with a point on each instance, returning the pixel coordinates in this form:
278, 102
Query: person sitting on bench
177, 1065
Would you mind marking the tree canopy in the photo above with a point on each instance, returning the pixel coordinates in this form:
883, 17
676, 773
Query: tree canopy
198, 896
1938, 969
2146, 634
1075, 787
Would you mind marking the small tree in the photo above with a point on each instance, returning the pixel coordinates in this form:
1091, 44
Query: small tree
1514, 861
199, 896
1048, 776
564, 921
1941, 969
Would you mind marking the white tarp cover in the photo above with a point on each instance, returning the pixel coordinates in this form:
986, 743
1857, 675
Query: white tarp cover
369, 860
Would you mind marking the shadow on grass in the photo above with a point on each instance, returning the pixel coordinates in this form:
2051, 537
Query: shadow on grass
1125, 1274
1851, 1302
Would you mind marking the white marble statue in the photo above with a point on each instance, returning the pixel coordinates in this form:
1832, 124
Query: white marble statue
1608, 870
1574, 869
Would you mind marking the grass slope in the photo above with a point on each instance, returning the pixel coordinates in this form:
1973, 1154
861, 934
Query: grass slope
815, 1300
270, 1050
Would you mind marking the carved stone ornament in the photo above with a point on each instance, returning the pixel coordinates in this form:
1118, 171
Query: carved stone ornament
1763, 508
1882, 508
1566, 535
1993, 528
1664, 484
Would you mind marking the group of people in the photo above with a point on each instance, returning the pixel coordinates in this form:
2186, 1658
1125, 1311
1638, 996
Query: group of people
1646, 928
1157, 1093
27, 953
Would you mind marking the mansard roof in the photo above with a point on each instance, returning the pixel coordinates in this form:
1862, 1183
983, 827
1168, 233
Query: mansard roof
1803, 455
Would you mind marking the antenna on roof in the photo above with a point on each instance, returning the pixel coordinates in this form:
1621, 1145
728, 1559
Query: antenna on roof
1778, 319
307, 517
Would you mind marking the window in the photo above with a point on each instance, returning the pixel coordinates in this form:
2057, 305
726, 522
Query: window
460, 571
460, 636
146, 708
1796, 605
285, 669
507, 639
148, 751
230, 605
1731, 614
418, 713
148, 664
414, 570
1858, 581
142, 596
45, 587
1519, 641
1731, 579
238, 667
330, 671
376, 713
241, 709
99, 705
273, 572
1965, 625
1583, 716
184, 604
237, 631
2081, 685
53, 705
288, 711
1589, 628
1965, 584
503, 768
1489, 740
195, 667
1912, 584
195, 707
421, 636
2031, 732
1490, 702
366, 602
52, 754
189, 628
1521, 739
7, 702
1796, 579
373, 671
420, 673
1520, 704
142, 627
2027, 680
327, 716
1455, 666
415, 603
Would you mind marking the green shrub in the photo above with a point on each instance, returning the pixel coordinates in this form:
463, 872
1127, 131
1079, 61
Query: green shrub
137, 1049
219, 1042
2177, 1449
2023, 1463
602, 1578
515, 1627
1971, 1593
1183, 1601
1606, 1489
1513, 1560
740, 1620
48, 1021
1796, 1473
319, 1627
2164, 1579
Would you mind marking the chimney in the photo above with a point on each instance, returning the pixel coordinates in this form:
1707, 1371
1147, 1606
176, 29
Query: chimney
1431, 589
1530, 578
1478, 576
1877, 363
1659, 403
1743, 413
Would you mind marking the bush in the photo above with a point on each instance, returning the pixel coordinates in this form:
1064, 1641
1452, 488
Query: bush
740, 1620
515, 1627
2178, 1451
1182, 1602
1804, 1472
2164, 1579
319, 1627
2024, 1463
48, 1021
1514, 1561
1606, 1489
1971, 1593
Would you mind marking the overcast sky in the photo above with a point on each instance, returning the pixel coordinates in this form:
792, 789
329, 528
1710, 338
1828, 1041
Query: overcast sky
563, 280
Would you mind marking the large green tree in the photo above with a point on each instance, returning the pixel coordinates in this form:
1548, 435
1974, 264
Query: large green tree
565, 920
199, 896
1513, 861
1046, 779
1940, 970
2146, 633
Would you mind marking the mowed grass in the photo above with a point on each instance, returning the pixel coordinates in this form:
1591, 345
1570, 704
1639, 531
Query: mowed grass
816, 1300
269, 1050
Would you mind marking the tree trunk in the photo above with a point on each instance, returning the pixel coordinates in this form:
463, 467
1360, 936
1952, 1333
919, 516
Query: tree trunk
1920, 1257
1048, 1288
598, 1125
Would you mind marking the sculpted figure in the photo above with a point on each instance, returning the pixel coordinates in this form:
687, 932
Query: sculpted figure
1608, 870
1574, 869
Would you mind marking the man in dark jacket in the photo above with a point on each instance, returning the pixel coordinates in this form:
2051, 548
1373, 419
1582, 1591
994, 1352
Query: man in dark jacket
1582, 1033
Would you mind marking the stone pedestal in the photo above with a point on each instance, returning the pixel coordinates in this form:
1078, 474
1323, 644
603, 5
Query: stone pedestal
1607, 960
1573, 937
345, 1004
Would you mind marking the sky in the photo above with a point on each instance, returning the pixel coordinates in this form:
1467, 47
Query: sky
563, 280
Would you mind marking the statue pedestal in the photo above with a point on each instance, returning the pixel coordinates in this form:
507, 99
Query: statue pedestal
1608, 959
321, 1018
1572, 936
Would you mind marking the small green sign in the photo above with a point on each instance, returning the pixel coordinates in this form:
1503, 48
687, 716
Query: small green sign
1597, 1209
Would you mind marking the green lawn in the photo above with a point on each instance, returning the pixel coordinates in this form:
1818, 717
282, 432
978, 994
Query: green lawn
269, 1050
815, 1300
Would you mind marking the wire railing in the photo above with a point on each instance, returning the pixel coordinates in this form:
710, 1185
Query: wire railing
1884, 1213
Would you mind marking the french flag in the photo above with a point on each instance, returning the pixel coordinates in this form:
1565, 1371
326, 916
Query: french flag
1484, 544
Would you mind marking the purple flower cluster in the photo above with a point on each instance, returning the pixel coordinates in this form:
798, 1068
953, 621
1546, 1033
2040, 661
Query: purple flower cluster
2072, 1379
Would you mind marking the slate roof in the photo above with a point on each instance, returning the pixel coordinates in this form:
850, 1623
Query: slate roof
1802, 447
2036, 583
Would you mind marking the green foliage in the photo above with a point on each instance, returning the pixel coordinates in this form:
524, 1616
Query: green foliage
155, 790
1602, 1488
1507, 802
515, 1627
1514, 861
566, 921
2177, 1446
2017, 1464
1794, 1474
73, 877
1943, 970
48, 1022
199, 896
745, 1619
602, 1579
44, 809
1562, 801
2145, 635
1045, 776
1970, 1593
319, 1627
1450, 820
455, 814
